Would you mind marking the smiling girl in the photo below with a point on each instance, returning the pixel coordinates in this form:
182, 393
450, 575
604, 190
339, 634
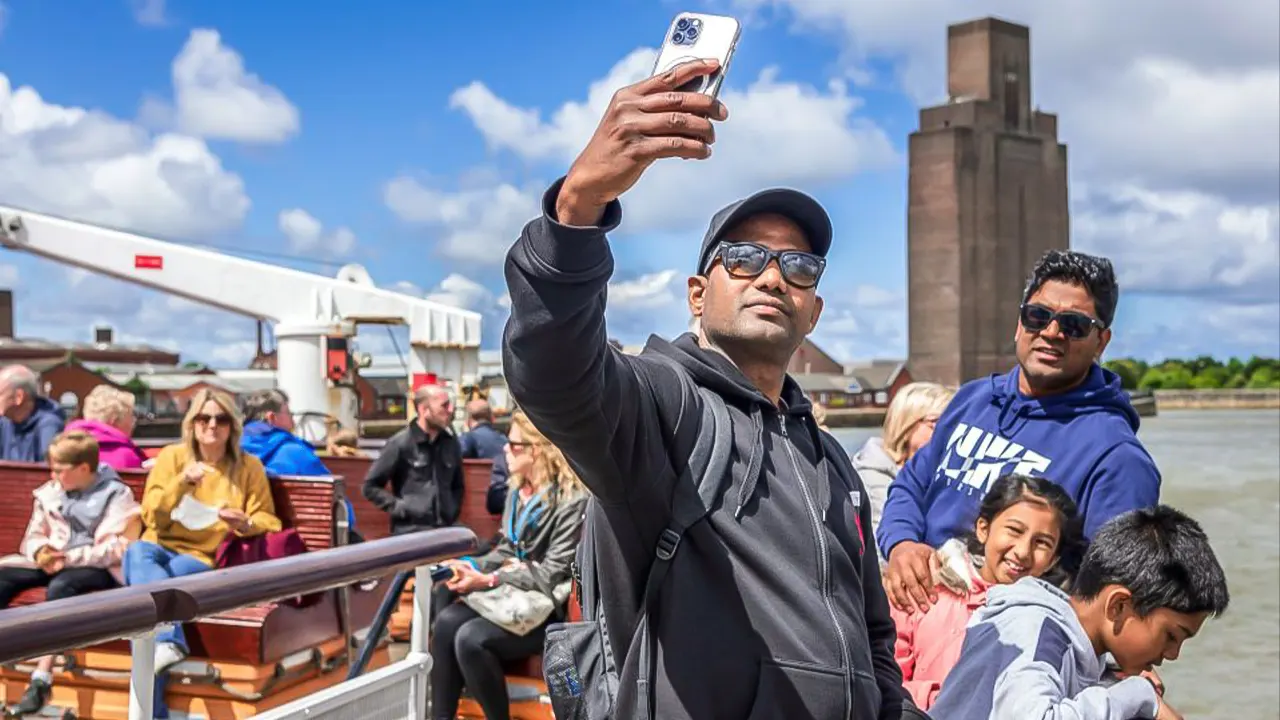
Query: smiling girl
1026, 526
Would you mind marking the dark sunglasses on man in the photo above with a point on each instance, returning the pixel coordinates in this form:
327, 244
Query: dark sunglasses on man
1072, 324
748, 260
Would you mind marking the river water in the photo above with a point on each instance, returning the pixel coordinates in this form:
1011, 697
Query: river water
1223, 468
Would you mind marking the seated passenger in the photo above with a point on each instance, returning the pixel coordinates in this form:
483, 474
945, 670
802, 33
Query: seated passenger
29, 421
541, 528
908, 426
198, 492
268, 436
81, 522
1147, 583
109, 418
1026, 527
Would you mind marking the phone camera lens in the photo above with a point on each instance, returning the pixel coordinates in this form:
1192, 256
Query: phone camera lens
692, 33
677, 37
682, 23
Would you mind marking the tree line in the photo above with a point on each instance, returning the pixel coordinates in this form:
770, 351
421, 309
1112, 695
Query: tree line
1202, 373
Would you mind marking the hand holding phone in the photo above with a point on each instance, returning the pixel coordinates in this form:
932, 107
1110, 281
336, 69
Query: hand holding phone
695, 36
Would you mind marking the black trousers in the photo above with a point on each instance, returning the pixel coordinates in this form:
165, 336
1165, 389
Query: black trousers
469, 651
67, 583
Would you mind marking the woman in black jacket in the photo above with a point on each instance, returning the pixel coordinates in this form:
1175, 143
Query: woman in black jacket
526, 575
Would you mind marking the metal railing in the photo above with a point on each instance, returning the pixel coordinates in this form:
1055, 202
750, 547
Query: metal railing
134, 612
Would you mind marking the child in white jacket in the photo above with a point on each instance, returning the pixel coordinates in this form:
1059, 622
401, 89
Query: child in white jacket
81, 522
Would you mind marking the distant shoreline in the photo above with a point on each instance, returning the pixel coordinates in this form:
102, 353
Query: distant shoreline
1241, 399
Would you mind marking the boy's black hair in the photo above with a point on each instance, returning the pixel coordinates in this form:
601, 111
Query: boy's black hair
1012, 489
1093, 273
1162, 556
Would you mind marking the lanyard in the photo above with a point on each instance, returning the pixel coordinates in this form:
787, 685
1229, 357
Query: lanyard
529, 515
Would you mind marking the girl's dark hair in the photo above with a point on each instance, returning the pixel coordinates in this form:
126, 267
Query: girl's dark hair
1012, 489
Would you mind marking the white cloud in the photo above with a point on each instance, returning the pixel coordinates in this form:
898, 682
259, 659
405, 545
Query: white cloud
646, 291
1185, 243
1169, 109
820, 138
88, 165
869, 322
475, 225
67, 304
217, 98
149, 13
307, 235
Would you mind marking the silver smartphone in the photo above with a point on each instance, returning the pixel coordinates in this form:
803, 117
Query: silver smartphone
695, 36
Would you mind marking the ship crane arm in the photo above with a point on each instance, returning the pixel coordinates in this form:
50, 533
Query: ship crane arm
307, 309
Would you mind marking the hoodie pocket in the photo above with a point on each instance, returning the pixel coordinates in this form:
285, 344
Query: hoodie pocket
866, 695
799, 690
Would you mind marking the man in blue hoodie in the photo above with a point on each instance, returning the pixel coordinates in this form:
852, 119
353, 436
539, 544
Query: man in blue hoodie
1058, 414
29, 422
268, 435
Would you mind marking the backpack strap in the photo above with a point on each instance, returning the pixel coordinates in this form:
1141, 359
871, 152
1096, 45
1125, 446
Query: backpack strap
704, 478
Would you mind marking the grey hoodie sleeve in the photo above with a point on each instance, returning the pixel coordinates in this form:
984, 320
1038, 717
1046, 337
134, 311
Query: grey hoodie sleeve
1034, 691
602, 408
552, 568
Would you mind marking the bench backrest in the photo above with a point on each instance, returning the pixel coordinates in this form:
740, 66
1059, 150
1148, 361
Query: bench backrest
373, 523
304, 503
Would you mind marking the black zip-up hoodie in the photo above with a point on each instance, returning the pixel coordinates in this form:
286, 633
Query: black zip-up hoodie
773, 606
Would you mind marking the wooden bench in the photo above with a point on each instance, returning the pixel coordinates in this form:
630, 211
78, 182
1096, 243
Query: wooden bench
240, 653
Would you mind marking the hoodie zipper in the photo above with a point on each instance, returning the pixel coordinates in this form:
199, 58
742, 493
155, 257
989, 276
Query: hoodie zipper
824, 559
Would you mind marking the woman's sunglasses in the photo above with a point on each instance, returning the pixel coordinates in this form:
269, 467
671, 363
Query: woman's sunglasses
1075, 325
214, 420
748, 260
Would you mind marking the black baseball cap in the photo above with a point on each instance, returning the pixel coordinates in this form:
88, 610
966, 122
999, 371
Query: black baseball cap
798, 207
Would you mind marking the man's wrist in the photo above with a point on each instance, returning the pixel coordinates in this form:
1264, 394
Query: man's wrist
493, 580
574, 210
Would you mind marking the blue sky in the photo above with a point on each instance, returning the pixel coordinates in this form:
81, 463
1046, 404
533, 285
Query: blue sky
415, 139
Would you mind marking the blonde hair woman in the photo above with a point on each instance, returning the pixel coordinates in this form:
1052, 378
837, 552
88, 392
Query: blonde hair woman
908, 425
200, 490
109, 418
540, 530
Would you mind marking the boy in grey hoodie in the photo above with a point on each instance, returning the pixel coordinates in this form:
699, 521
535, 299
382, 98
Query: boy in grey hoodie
1146, 585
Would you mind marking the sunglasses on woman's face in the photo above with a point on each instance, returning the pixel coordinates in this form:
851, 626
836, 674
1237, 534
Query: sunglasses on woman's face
748, 260
1074, 325
213, 420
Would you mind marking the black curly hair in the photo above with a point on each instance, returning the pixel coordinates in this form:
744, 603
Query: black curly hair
1093, 273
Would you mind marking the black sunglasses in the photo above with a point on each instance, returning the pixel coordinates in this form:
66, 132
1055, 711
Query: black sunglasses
747, 260
1075, 325
214, 420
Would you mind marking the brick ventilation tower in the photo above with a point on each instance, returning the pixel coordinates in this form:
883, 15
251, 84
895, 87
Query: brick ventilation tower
987, 195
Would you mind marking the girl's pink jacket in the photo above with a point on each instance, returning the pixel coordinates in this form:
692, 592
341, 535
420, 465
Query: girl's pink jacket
929, 643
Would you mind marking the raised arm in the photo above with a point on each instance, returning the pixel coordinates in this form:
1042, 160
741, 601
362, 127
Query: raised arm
596, 404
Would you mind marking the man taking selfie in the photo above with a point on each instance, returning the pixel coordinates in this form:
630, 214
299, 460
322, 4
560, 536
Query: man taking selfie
772, 605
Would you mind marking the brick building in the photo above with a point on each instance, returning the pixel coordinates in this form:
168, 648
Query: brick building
987, 195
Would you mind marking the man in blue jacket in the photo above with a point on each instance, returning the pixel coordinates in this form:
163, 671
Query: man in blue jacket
483, 441
268, 435
1058, 414
28, 421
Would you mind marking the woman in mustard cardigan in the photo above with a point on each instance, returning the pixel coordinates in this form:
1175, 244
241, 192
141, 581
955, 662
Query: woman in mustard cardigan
199, 491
